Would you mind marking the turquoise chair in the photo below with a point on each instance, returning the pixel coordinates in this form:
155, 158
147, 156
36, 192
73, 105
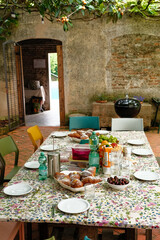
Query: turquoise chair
84, 122
7, 146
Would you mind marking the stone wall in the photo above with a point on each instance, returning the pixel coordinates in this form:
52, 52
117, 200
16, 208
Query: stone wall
122, 57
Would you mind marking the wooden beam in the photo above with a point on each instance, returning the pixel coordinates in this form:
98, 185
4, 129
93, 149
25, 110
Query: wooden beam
61, 85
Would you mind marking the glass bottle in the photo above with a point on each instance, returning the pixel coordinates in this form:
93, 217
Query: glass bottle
43, 167
94, 160
93, 141
107, 161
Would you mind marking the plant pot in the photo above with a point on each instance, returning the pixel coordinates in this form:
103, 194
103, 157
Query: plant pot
101, 101
127, 107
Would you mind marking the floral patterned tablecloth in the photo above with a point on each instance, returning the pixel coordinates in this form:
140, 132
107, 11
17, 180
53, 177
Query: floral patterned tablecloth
138, 206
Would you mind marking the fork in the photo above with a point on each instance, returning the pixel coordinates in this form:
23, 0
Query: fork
53, 209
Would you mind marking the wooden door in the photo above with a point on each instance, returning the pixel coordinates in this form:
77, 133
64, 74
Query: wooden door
20, 83
14, 84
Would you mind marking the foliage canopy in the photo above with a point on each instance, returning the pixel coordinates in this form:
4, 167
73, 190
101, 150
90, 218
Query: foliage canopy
65, 11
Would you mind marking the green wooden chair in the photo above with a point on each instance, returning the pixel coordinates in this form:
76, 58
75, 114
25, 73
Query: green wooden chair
84, 122
2, 171
7, 146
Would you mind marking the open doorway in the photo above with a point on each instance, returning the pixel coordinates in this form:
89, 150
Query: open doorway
54, 86
35, 68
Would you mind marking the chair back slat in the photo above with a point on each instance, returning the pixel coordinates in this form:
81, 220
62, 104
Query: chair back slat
7, 146
84, 122
127, 124
2, 170
35, 135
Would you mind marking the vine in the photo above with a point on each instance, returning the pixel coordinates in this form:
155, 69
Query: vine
65, 11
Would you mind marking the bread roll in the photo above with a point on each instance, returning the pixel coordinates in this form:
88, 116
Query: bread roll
75, 175
76, 183
91, 180
92, 170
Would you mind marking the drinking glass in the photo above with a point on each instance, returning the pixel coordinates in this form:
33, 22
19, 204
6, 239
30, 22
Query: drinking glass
125, 167
89, 190
115, 157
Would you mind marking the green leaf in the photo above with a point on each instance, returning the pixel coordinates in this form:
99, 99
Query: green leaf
119, 15
70, 23
91, 7
65, 27
1, 30
69, 9
83, 12
57, 13
71, 1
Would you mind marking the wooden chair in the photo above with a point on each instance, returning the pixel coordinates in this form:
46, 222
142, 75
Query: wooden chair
9, 230
127, 124
35, 135
2, 171
84, 122
7, 146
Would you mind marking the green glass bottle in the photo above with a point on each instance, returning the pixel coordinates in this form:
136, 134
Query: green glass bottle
94, 160
93, 141
43, 167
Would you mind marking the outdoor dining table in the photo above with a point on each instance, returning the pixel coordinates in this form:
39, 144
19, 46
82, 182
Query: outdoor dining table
136, 207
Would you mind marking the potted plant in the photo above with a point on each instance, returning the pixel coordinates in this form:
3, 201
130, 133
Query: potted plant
99, 98
141, 99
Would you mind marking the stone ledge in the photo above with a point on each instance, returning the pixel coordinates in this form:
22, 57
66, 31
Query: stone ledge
106, 112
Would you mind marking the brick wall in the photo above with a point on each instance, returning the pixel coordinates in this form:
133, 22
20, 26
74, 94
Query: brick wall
135, 62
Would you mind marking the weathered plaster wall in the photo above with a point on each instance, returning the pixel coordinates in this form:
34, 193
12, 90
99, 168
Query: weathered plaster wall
92, 51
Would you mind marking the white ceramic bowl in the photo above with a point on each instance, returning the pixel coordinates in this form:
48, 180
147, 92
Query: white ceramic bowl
118, 187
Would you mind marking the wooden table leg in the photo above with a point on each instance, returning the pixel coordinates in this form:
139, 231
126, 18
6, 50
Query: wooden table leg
148, 234
131, 234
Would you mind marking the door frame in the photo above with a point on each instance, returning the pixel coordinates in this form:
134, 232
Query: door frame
61, 84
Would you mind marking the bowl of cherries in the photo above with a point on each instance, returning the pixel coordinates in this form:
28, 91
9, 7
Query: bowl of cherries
118, 183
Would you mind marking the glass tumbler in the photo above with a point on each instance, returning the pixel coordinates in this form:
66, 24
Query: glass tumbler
89, 190
125, 168
116, 157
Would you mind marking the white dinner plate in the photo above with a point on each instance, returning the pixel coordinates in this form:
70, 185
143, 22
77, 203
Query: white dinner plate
136, 142
146, 175
141, 152
18, 189
48, 148
59, 134
73, 205
102, 132
32, 164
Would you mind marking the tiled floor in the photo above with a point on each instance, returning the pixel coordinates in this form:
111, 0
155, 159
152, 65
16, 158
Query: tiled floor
46, 118
26, 150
